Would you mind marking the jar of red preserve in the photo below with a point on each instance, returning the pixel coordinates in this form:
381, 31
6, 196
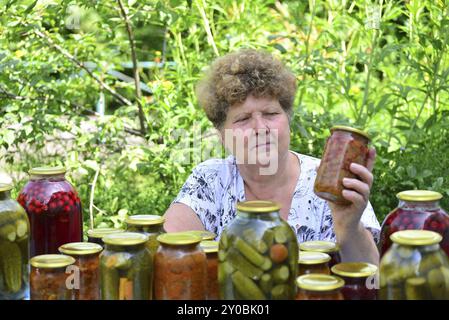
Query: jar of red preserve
53, 208
417, 210
346, 145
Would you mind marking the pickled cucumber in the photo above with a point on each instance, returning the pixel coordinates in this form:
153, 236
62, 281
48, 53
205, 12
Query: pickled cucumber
238, 262
8, 232
280, 292
110, 284
248, 252
416, 289
246, 287
437, 284
266, 283
11, 265
280, 274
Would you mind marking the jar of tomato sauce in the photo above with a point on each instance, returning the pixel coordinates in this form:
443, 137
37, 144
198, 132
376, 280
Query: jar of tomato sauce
346, 145
53, 208
313, 262
180, 268
319, 287
329, 247
87, 260
360, 280
211, 250
417, 210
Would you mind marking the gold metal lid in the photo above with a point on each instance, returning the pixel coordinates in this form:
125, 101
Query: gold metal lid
205, 235
144, 220
416, 237
419, 195
258, 206
52, 261
101, 232
354, 269
350, 129
319, 282
5, 187
313, 257
125, 238
319, 246
48, 171
80, 248
209, 246
179, 238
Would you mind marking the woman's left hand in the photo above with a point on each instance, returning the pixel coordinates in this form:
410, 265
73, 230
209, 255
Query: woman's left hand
347, 217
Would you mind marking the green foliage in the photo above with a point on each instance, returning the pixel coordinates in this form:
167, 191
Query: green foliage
392, 81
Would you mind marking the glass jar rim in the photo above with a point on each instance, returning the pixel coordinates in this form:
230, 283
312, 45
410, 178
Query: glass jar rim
319, 282
144, 220
209, 246
125, 239
47, 171
52, 261
204, 234
416, 237
6, 187
419, 195
354, 269
80, 248
102, 232
258, 206
313, 257
319, 246
178, 238
351, 129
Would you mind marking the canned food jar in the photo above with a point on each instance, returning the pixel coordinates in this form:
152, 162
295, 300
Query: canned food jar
126, 268
211, 250
414, 268
204, 235
54, 210
329, 247
87, 260
150, 225
14, 247
49, 279
96, 235
180, 268
346, 145
360, 280
258, 255
319, 287
313, 262
417, 210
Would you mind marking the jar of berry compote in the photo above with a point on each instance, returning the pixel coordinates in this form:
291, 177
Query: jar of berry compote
54, 210
417, 210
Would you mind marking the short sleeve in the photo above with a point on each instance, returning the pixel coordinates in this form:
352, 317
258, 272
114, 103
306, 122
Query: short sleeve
198, 193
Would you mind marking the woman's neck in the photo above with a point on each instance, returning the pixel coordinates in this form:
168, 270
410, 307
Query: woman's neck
265, 186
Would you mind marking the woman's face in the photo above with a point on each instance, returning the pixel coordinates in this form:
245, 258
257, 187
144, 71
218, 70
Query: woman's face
257, 132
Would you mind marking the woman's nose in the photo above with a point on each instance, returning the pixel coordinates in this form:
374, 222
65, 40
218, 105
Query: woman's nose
260, 126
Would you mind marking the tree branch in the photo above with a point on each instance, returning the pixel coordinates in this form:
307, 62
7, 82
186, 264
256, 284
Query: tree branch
82, 66
135, 66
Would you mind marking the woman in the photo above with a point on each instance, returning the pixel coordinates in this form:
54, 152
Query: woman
248, 96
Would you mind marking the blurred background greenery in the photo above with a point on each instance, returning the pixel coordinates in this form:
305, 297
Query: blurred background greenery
69, 94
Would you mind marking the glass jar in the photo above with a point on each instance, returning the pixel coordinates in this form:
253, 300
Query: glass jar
96, 235
150, 225
414, 268
313, 262
54, 210
258, 255
14, 247
319, 287
329, 247
417, 210
360, 280
205, 235
211, 250
126, 267
346, 145
88, 263
180, 268
49, 277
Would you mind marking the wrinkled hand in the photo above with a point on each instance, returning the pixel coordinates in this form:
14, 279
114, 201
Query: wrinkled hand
356, 191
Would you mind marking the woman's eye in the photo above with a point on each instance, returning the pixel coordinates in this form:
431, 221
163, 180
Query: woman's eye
242, 119
271, 113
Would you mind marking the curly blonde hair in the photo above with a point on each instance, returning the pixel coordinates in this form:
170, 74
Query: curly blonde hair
235, 76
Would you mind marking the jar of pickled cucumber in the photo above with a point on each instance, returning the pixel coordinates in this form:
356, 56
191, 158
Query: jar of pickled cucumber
126, 267
211, 250
180, 268
52, 277
54, 210
14, 247
414, 268
205, 235
313, 262
360, 280
87, 260
96, 235
150, 225
417, 210
329, 247
258, 255
346, 145
319, 287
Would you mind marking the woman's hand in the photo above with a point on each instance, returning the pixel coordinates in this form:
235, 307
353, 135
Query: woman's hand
347, 217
